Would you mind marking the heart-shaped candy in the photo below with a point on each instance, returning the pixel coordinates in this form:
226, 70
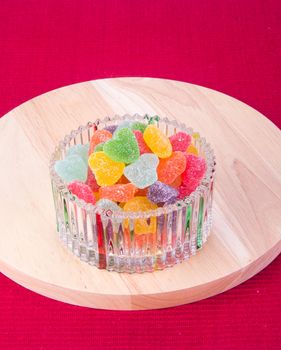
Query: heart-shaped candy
107, 172
79, 150
142, 173
71, 168
123, 147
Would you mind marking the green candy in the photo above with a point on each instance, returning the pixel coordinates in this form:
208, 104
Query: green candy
99, 147
139, 126
123, 147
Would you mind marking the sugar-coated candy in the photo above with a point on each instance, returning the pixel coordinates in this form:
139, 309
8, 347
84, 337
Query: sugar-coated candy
161, 193
98, 137
177, 182
142, 145
123, 147
157, 141
180, 141
111, 128
118, 192
91, 181
139, 126
125, 124
99, 147
123, 180
82, 191
108, 206
79, 150
141, 226
188, 188
107, 172
191, 149
170, 168
142, 173
71, 168
195, 168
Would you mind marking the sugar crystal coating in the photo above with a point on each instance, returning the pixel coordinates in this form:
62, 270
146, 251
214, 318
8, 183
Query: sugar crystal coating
180, 141
118, 192
142, 145
142, 173
177, 182
98, 137
71, 168
161, 193
170, 168
99, 147
91, 181
123, 147
79, 150
107, 172
82, 191
195, 168
157, 141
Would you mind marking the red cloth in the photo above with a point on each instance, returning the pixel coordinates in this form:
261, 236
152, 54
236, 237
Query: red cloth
230, 46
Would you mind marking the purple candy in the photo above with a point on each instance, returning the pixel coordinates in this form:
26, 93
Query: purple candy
161, 193
111, 128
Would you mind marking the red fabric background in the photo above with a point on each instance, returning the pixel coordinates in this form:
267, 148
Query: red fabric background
230, 46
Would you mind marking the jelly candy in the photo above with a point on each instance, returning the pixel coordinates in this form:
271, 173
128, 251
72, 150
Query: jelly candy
142, 145
157, 141
125, 124
99, 147
123, 180
180, 141
91, 181
107, 172
194, 171
177, 182
82, 191
71, 168
111, 128
118, 193
161, 193
79, 150
143, 173
170, 168
188, 188
123, 147
98, 137
97, 195
141, 226
191, 149
139, 126
108, 206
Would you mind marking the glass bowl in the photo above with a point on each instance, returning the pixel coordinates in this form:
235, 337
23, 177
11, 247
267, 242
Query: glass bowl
112, 240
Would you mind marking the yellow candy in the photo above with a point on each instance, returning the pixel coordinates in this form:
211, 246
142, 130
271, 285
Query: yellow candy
142, 226
107, 171
157, 141
196, 135
192, 149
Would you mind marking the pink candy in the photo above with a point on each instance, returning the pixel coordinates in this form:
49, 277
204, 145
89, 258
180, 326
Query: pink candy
82, 191
91, 181
180, 141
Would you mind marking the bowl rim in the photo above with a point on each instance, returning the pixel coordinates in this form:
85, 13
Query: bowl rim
61, 185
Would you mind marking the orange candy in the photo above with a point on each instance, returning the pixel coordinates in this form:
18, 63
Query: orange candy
177, 182
118, 193
170, 168
98, 137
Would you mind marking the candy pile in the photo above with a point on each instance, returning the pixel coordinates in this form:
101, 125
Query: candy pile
133, 167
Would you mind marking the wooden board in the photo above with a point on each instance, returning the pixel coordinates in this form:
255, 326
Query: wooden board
247, 204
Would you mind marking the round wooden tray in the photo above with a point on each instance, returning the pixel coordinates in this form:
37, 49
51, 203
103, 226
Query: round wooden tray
246, 233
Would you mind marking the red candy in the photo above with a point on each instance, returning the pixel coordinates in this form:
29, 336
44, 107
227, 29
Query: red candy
180, 141
118, 193
193, 174
170, 168
82, 191
142, 145
98, 137
91, 181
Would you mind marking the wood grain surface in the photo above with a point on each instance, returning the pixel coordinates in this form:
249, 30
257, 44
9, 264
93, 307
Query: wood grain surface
246, 234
